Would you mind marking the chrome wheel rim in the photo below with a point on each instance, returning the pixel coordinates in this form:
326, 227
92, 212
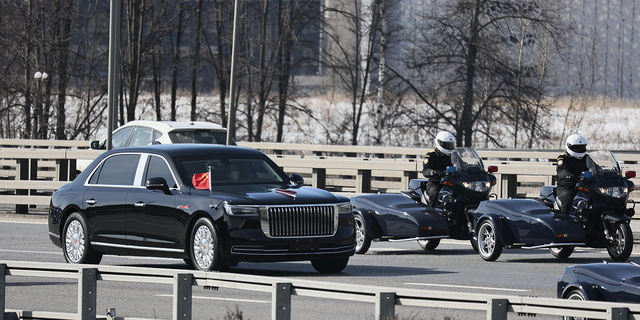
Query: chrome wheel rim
74, 241
574, 296
618, 242
359, 234
486, 240
203, 248
555, 250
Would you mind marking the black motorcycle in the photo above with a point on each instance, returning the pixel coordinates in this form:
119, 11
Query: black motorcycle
464, 186
600, 206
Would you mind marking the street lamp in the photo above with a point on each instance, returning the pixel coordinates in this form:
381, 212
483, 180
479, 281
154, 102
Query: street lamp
40, 75
39, 116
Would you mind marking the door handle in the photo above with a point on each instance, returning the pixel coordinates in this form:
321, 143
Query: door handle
91, 201
139, 204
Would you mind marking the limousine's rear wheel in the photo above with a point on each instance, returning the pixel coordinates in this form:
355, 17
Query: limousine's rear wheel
561, 252
621, 243
363, 241
429, 244
204, 247
330, 265
76, 246
489, 245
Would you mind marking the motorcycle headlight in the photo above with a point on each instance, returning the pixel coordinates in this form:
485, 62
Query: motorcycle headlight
616, 192
344, 208
478, 186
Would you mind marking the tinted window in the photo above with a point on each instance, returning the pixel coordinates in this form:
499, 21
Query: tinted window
198, 136
159, 168
120, 137
118, 170
142, 136
230, 169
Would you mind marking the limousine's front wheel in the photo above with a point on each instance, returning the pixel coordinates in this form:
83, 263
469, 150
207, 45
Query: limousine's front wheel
76, 245
205, 250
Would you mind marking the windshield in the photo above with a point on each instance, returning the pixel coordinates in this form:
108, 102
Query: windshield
467, 159
198, 136
230, 169
603, 164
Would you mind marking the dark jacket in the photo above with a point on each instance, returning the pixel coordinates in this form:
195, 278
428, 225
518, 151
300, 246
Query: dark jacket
569, 170
435, 164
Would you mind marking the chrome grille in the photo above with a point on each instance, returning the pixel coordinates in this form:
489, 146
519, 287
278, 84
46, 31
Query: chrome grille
301, 221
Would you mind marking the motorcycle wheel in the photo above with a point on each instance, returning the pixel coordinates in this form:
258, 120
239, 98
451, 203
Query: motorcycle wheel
429, 244
561, 252
489, 245
363, 241
622, 243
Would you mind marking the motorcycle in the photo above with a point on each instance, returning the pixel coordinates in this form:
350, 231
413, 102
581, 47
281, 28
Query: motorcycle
464, 186
599, 217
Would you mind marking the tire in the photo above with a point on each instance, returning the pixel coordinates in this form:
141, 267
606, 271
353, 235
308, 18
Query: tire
489, 245
474, 245
429, 244
622, 245
363, 241
204, 247
330, 265
561, 252
75, 242
575, 294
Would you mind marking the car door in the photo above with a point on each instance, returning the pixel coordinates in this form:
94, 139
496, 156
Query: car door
152, 223
105, 199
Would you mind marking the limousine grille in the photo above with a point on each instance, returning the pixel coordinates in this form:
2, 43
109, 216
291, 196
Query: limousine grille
302, 221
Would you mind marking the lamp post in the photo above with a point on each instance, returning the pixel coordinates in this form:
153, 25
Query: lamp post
39, 78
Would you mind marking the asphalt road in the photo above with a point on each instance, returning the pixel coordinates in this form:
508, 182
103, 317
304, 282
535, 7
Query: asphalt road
453, 266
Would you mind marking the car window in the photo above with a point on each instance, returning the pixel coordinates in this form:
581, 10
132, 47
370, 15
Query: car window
142, 136
198, 136
158, 168
119, 138
156, 134
117, 170
231, 169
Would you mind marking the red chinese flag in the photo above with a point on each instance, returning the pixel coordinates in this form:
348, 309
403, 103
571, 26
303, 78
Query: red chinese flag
200, 180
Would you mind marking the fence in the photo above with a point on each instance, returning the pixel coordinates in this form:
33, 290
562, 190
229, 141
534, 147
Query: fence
31, 169
497, 307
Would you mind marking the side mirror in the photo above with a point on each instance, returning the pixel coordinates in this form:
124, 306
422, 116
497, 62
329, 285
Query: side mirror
630, 174
451, 169
492, 169
296, 178
95, 145
158, 183
586, 175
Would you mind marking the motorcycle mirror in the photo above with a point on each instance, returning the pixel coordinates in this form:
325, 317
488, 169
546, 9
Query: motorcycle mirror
630, 174
493, 169
586, 174
451, 169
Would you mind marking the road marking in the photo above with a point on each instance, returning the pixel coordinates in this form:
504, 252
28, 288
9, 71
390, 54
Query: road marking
22, 221
24, 251
465, 287
213, 298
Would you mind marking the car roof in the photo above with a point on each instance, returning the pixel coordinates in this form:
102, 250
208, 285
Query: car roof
188, 149
167, 126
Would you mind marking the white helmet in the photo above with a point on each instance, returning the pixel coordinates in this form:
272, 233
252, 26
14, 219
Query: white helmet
445, 142
576, 146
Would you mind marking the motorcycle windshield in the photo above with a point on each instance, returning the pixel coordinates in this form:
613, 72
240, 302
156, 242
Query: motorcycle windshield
467, 160
603, 164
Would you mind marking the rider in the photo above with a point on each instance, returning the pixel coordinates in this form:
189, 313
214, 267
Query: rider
436, 163
570, 165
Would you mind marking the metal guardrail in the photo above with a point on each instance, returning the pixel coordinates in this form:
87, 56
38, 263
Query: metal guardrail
34, 171
497, 307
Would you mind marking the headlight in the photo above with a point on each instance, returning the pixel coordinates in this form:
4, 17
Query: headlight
345, 208
477, 186
616, 192
234, 210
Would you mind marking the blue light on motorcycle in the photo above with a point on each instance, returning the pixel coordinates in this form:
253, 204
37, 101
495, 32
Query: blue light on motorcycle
451, 169
586, 174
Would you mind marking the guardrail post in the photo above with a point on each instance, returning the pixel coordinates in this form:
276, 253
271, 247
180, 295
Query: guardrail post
406, 177
87, 286
385, 305
182, 296
618, 314
497, 309
508, 186
319, 178
281, 301
363, 181
3, 281
22, 173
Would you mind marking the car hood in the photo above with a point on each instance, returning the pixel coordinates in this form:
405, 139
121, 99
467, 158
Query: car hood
611, 273
273, 195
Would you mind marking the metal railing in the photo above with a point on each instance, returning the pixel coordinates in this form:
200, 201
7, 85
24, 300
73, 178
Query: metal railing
30, 171
497, 307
